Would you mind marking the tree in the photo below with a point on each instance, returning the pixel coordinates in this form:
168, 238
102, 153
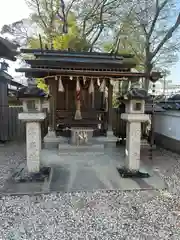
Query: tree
49, 16
158, 24
19, 31
94, 19
151, 31
72, 40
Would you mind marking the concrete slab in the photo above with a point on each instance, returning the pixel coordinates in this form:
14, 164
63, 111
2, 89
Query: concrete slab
60, 179
90, 181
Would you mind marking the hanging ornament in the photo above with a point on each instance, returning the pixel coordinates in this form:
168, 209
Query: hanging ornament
60, 86
98, 82
56, 78
112, 81
91, 87
78, 103
84, 80
71, 77
102, 86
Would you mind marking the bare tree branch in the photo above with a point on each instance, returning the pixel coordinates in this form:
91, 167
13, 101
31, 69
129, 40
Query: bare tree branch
101, 25
158, 10
69, 7
39, 12
167, 36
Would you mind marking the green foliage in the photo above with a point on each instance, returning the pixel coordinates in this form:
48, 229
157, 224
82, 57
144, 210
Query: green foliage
61, 41
41, 84
128, 42
72, 39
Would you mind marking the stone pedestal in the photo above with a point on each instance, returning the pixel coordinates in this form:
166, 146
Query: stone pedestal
51, 133
33, 139
81, 136
133, 140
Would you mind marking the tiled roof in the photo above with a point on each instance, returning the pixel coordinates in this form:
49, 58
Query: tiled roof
7, 49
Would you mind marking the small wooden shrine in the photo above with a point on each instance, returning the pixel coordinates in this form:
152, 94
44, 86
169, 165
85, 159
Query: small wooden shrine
80, 85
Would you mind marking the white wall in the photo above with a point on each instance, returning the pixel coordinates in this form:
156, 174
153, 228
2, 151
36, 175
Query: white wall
168, 124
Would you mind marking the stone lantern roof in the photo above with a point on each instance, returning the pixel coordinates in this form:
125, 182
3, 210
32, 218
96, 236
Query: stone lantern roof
135, 93
31, 92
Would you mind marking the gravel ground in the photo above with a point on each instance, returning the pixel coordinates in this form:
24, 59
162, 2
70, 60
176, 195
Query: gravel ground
98, 215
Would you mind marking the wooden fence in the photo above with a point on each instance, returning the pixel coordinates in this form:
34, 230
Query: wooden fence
119, 125
13, 129
16, 128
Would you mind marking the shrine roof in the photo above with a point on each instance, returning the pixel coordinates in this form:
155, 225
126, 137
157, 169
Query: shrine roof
7, 49
49, 63
75, 63
51, 72
63, 53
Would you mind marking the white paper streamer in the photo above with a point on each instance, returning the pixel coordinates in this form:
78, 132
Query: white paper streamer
102, 86
91, 87
60, 87
78, 88
98, 82
84, 80
56, 78
71, 77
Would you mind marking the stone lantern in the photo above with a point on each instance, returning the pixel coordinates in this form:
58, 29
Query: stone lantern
32, 99
134, 116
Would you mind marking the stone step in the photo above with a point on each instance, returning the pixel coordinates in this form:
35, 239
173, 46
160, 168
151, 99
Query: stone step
104, 139
53, 142
69, 149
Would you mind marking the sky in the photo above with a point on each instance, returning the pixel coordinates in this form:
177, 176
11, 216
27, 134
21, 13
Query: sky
14, 10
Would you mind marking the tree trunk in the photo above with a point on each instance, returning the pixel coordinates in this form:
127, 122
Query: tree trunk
148, 69
148, 66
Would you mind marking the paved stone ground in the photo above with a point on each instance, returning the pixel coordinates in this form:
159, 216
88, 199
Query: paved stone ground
94, 170
94, 215
89, 169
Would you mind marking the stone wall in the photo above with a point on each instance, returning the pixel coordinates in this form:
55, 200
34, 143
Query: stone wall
167, 130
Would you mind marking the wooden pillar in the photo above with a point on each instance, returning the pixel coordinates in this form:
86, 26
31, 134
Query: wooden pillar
53, 99
67, 96
110, 96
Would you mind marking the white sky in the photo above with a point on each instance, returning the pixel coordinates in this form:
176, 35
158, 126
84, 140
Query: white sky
14, 10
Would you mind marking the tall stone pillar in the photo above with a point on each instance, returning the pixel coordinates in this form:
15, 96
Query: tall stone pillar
133, 140
33, 139
134, 116
32, 99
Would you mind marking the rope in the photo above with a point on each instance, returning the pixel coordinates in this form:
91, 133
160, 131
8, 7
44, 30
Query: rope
78, 95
